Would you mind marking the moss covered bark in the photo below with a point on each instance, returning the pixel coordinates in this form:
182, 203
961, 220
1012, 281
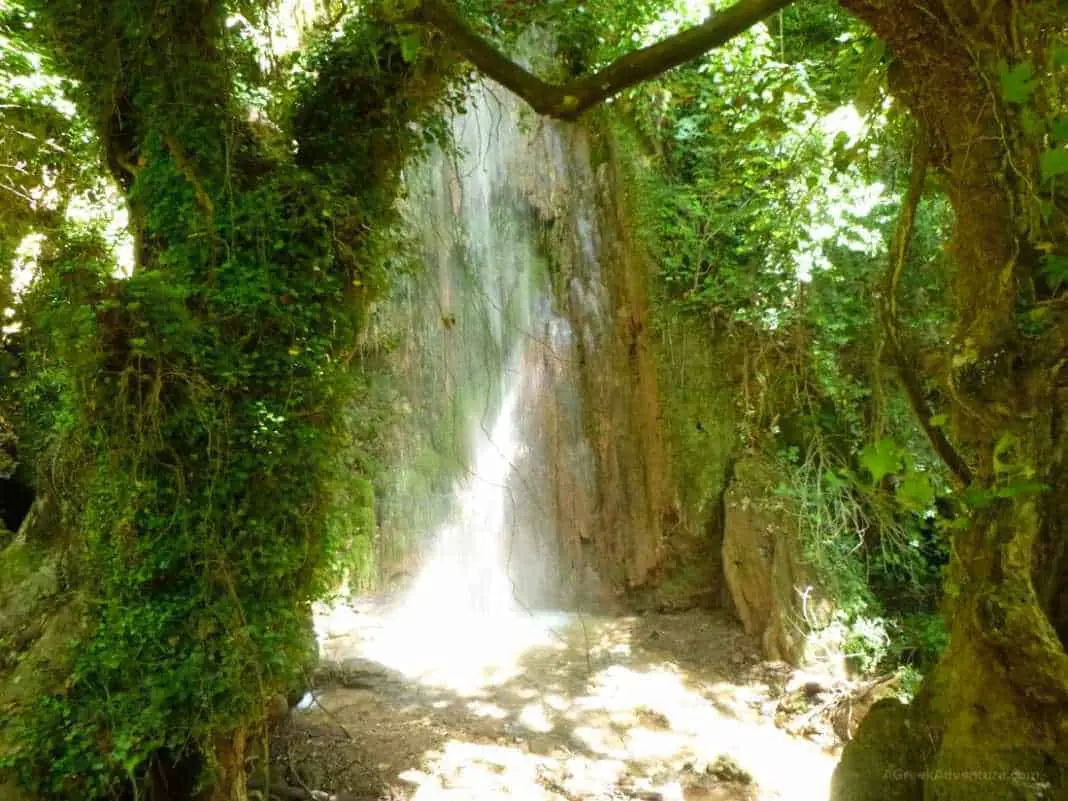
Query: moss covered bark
208, 390
993, 712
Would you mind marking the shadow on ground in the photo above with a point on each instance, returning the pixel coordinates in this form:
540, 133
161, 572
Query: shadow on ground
658, 708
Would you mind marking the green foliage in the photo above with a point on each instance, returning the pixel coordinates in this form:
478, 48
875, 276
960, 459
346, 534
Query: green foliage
866, 643
758, 220
1055, 269
198, 415
881, 459
1053, 163
1017, 82
880, 555
921, 638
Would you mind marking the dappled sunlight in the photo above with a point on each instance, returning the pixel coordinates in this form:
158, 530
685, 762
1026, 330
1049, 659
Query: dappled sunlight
641, 730
464, 770
658, 719
538, 716
598, 709
636, 733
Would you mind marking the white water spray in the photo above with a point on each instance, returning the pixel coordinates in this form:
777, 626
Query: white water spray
462, 622
461, 625
466, 572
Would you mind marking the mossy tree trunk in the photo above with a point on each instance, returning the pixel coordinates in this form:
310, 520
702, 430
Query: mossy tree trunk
210, 387
992, 720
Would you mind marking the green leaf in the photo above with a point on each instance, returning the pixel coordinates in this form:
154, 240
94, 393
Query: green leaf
977, 496
1060, 57
939, 420
1059, 128
1017, 488
1053, 162
1055, 268
410, 45
916, 492
1017, 83
881, 459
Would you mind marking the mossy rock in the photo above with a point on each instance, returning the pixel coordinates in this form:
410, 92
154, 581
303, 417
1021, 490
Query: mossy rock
885, 761
29, 577
39, 670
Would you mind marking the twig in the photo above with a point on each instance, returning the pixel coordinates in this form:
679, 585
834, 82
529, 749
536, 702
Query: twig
327, 712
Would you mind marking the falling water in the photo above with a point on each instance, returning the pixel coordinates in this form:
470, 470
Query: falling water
472, 597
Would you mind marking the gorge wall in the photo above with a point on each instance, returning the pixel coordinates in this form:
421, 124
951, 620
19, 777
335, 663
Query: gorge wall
530, 260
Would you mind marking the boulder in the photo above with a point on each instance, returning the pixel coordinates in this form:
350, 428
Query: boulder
38, 620
774, 593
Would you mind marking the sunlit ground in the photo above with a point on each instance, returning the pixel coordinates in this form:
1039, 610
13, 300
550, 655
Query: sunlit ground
508, 706
453, 691
440, 645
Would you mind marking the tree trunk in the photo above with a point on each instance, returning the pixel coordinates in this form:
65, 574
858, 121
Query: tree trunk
991, 720
230, 781
214, 381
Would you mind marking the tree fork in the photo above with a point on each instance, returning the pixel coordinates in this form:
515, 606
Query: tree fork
569, 100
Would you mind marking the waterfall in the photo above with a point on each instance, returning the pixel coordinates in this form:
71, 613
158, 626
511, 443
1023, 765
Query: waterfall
492, 559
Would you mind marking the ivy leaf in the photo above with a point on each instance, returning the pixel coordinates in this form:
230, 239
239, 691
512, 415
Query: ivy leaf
1055, 268
881, 459
1052, 163
1059, 127
916, 492
410, 45
1017, 83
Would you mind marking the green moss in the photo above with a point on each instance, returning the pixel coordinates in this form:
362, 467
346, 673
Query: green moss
210, 439
886, 764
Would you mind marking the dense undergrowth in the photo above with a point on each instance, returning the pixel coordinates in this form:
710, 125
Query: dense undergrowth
770, 190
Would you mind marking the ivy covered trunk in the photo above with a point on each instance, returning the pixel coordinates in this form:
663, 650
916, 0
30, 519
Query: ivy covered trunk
991, 721
228, 780
206, 391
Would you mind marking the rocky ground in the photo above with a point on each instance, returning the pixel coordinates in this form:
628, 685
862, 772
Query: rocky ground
658, 708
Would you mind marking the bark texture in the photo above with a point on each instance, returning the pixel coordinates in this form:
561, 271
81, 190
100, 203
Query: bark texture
568, 101
990, 722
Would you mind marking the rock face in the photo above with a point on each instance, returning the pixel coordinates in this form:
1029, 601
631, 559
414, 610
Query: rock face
774, 593
37, 622
601, 427
637, 440
614, 495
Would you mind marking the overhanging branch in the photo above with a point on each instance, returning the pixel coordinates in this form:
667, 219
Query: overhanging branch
568, 101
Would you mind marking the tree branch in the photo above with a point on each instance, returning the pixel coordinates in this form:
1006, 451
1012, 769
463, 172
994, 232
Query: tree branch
568, 101
910, 381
